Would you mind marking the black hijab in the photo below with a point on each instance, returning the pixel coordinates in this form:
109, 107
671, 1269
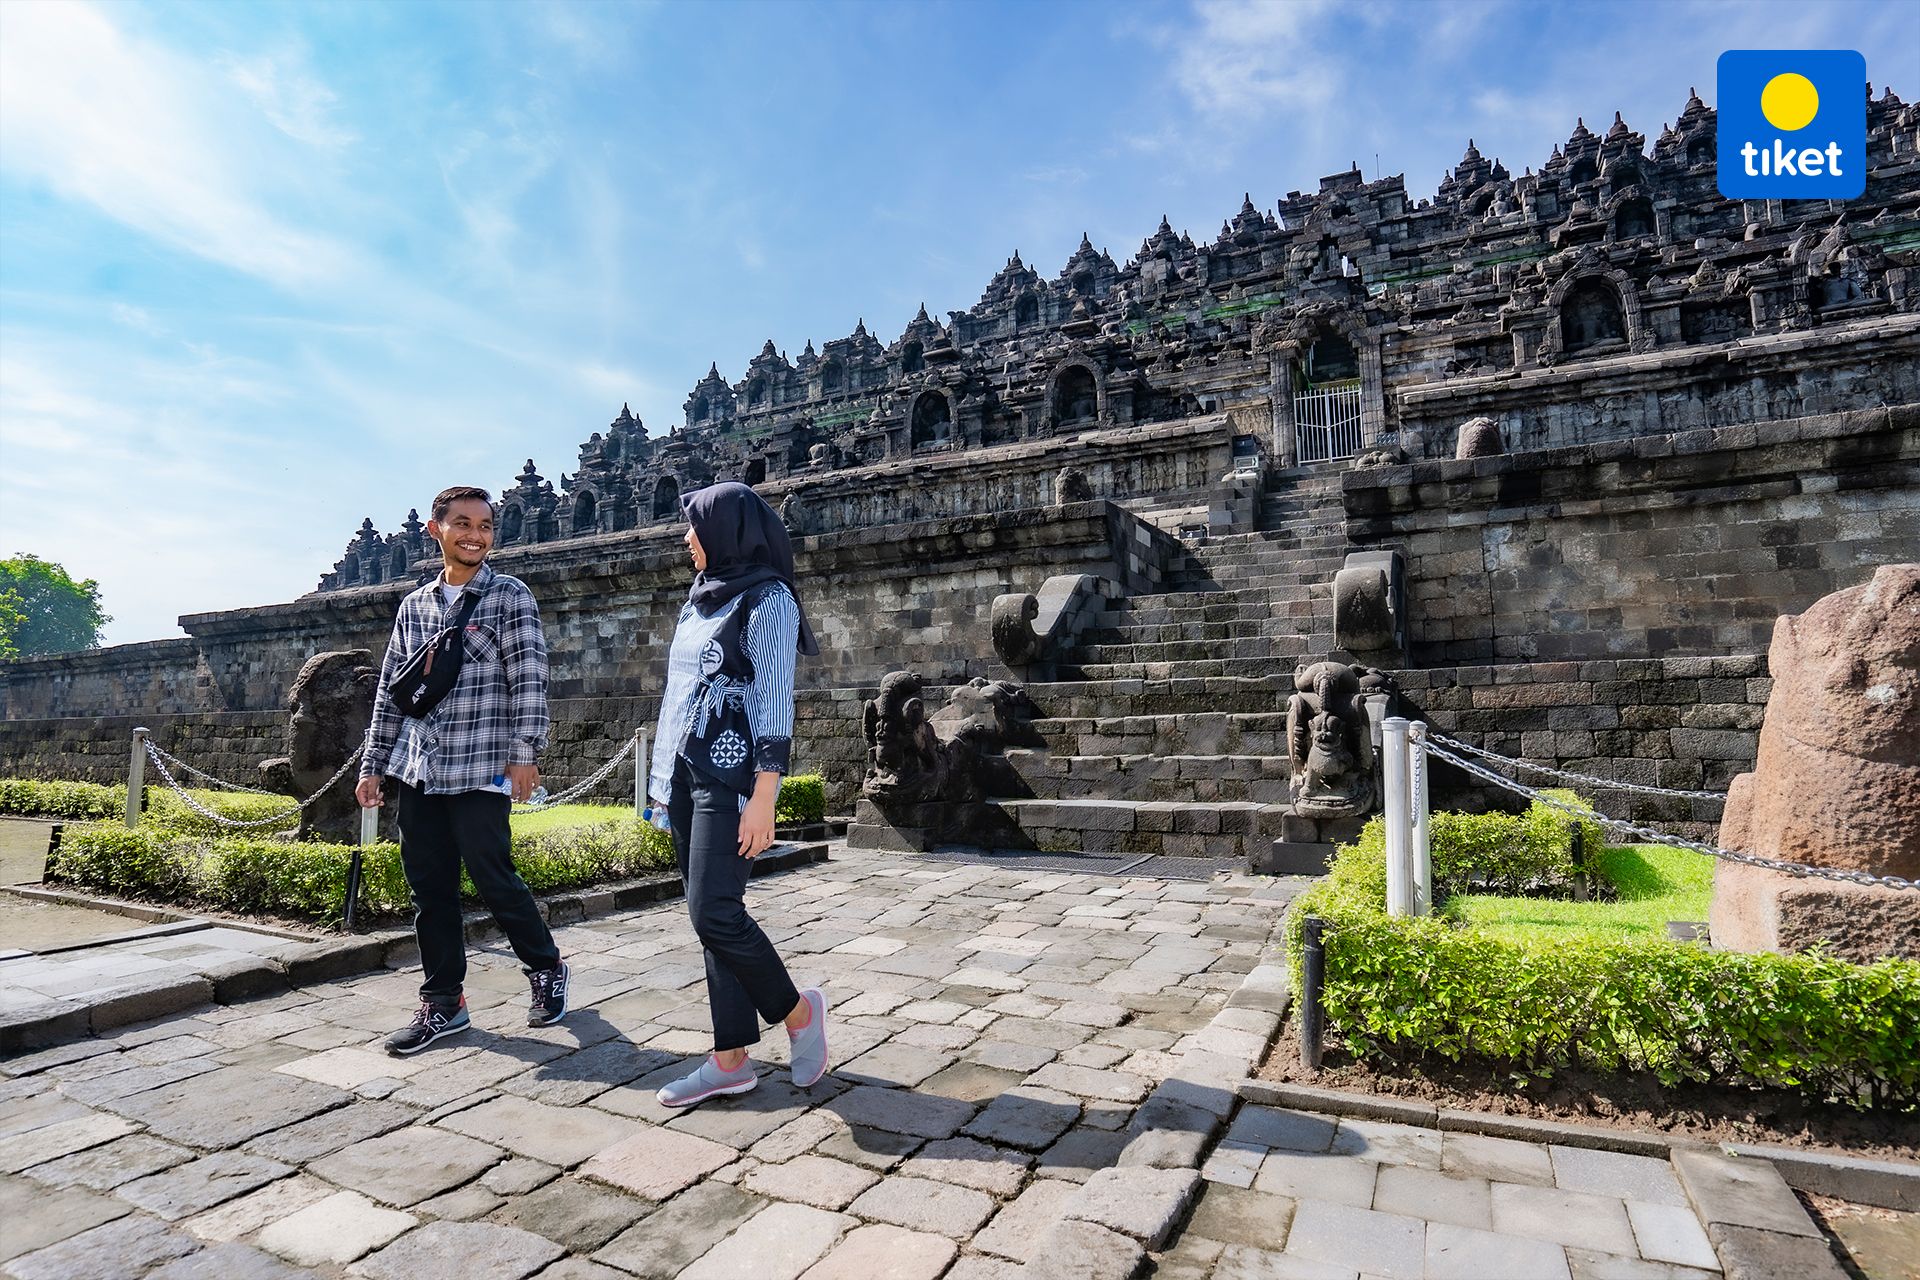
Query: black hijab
746, 546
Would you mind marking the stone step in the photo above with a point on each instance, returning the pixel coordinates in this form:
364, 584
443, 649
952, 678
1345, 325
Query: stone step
1104, 697
1224, 829
1266, 626
1261, 646
1211, 606
1189, 779
1244, 594
1265, 580
1200, 669
1198, 733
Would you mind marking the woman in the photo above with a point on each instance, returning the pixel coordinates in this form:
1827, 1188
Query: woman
726, 730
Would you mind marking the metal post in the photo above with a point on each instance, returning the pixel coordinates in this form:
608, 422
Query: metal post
1399, 820
136, 777
1422, 829
1313, 972
640, 767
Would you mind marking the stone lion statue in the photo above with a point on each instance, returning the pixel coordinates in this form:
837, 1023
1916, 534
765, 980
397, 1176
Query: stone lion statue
957, 753
330, 705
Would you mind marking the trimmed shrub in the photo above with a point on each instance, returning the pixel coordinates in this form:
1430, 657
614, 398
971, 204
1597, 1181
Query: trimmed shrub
37, 799
1530, 853
803, 798
1401, 987
168, 810
253, 875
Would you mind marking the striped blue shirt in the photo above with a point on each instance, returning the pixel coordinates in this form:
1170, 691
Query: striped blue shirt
771, 640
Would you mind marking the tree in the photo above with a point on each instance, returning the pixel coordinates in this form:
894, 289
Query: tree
43, 610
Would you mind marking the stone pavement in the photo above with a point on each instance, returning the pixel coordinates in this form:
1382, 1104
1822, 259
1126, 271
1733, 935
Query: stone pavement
1030, 1069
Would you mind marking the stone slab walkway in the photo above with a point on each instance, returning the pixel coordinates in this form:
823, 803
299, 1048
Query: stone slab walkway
1030, 1070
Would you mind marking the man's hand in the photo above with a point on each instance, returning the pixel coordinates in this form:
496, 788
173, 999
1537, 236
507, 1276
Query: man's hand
756, 821
521, 780
367, 792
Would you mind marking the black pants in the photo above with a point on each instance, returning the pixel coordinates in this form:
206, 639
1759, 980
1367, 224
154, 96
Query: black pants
745, 975
437, 834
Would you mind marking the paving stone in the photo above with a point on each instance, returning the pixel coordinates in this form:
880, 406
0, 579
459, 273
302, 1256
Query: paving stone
106, 1167
1740, 1192
1280, 1128
871, 1148
343, 1227
36, 1217
330, 1131
581, 1269
517, 1175
1233, 1216
1588, 1265
462, 1204
1387, 1143
1086, 1251
350, 1066
971, 1082
578, 1214
898, 1111
101, 1090
1086, 1082
42, 1108
1669, 1233
1338, 1179
897, 1064
812, 1180
743, 1121
561, 1136
1243, 1262
655, 1163
659, 1246
110, 1252
1752, 1254
1383, 1244
1437, 1197
407, 1166
1612, 1173
882, 1252
202, 1184
979, 1266
781, 1242
1017, 1228
229, 1261
1009, 1055
924, 1205
1235, 1164
1081, 1151
1496, 1159
1466, 1253
995, 1170
460, 1251
797, 1137
226, 1107
1023, 1119
582, 1076
1571, 1218
63, 1138
1143, 1203
249, 1213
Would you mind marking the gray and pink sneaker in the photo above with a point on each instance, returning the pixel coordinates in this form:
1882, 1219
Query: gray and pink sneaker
809, 1061
708, 1081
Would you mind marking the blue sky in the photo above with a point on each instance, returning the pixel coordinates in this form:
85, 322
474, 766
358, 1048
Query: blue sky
268, 269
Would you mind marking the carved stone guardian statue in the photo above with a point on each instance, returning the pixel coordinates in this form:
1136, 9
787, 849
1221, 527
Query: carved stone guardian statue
331, 704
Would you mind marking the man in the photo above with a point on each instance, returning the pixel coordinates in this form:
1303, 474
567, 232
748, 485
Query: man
458, 769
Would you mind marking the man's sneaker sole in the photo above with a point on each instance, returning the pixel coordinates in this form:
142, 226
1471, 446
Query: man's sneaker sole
747, 1086
441, 1034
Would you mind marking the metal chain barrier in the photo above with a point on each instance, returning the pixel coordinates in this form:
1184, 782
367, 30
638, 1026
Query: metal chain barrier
1579, 778
181, 766
1650, 835
581, 788
161, 758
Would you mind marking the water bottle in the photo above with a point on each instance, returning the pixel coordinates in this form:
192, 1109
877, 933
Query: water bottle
539, 796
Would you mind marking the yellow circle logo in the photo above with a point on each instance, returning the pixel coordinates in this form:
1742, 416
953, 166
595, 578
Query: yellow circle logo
1789, 102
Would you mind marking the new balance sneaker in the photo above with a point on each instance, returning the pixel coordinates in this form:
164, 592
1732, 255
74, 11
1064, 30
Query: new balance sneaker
549, 1003
429, 1024
708, 1081
809, 1061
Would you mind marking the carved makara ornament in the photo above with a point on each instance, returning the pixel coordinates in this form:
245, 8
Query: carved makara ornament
1329, 739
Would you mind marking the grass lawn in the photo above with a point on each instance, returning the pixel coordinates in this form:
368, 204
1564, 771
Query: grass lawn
1657, 883
568, 815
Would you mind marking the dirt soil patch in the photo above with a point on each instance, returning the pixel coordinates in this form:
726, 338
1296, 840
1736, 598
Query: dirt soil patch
1632, 1100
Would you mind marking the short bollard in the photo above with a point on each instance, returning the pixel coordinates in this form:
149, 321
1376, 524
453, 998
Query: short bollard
136, 777
369, 832
1313, 972
641, 765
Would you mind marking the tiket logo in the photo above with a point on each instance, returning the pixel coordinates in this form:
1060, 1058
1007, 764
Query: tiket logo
1792, 124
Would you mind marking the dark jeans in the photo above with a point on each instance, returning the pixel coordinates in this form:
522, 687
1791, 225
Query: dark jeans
744, 973
437, 834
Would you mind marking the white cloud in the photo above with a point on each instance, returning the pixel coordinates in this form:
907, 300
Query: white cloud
297, 103
1248, 57
130, 129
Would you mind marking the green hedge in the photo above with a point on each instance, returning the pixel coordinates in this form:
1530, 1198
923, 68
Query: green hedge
263, 876
1530, 853
803, 798
1397, 988
34, 798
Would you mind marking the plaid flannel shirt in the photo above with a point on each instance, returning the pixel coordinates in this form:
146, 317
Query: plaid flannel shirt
496, 713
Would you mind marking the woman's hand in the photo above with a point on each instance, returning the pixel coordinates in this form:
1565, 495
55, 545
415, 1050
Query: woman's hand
756, 822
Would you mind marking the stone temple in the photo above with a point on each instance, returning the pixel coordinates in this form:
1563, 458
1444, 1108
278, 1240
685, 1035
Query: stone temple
1554, 449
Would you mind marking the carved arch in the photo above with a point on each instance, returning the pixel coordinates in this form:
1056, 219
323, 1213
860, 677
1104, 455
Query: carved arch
1590, 266
1058, 381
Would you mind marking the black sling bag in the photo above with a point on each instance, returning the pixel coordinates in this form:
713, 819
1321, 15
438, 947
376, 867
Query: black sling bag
429, 675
